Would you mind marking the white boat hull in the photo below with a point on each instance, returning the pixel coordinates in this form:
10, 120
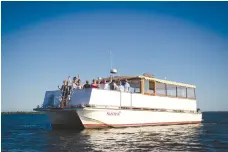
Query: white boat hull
106, 108
80, 118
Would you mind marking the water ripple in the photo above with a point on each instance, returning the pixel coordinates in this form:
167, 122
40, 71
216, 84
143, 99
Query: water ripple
33, 133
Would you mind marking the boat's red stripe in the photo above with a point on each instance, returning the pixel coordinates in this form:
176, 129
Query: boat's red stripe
142, 124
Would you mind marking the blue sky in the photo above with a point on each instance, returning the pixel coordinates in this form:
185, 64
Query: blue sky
44, 42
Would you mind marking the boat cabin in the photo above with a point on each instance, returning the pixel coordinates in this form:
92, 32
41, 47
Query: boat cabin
148, 85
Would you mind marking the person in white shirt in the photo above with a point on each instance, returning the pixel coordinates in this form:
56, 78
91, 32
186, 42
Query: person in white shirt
126, 86
106, 85
115, 85
74, 85
120, 87
78, 84
69, 82
99, 82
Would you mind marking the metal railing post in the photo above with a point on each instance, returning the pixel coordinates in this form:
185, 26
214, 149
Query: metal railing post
131, 100
120, 99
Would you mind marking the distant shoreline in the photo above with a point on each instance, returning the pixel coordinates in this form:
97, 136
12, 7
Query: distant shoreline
214, 111
34, 112
20, 112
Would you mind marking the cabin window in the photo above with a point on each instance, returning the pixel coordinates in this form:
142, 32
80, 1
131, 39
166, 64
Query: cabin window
149, 86
160, 88
135, 85
191, 93
171, 90
181, 91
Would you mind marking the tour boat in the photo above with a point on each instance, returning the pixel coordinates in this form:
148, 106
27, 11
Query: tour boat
150, 101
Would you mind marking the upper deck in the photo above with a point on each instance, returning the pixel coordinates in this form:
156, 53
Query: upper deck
145, 92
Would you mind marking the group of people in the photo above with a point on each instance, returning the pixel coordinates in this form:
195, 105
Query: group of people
69, 86
111, 85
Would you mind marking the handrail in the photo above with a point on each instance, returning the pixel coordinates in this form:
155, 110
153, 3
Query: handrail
120, 98
131, 100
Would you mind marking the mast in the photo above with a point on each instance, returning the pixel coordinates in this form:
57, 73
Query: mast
110, 59
112, 70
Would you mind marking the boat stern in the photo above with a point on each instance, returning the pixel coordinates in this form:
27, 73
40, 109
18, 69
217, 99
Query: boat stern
63, 119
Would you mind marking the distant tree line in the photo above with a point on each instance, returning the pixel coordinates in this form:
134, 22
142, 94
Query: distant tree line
20, 112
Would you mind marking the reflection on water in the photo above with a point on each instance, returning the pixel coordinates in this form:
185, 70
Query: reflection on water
156, 138
32, 133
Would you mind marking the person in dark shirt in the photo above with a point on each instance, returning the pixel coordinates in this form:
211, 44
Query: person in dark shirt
113, 85
74, 79
87, 85
65, 92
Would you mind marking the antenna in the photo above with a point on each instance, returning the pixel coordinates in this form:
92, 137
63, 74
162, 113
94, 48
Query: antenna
112, 71
110, 58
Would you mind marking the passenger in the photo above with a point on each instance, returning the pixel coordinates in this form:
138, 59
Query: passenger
113, 85
65, 92
106, 85
69, 86
94, 84
79, 86
69, 82
126, 86
99, 82
87, 85
102, 82
120, 87
76, 78
74, 84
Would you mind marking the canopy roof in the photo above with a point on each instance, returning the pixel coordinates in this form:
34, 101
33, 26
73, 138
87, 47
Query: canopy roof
168, 82
153, 79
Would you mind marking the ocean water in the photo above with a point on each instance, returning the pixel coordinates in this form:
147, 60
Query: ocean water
33, 133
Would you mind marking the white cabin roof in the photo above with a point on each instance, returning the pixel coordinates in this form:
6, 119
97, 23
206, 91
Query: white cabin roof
168, 82
153, 79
